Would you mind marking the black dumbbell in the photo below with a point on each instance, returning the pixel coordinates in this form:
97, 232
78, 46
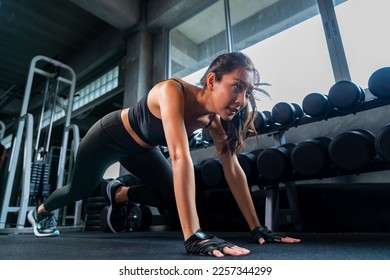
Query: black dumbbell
352, 150
262, 121
274, 163
382, 142
248, 161
286, 113
140, 218
211, 172
346, 96
310, 158
316, 105
379, 83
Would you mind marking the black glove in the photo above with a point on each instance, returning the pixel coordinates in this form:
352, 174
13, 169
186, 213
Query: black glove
266, 234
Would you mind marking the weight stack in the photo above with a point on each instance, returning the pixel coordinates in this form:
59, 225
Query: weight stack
39, 181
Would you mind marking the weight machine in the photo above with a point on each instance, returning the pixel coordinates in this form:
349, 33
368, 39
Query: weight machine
58, 80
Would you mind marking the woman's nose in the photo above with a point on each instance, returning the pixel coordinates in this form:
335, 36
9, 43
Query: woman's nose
241, 98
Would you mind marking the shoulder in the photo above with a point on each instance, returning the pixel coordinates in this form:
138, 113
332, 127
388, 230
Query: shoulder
173, 84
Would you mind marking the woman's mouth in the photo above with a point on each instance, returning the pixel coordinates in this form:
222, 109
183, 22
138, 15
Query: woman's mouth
232, 111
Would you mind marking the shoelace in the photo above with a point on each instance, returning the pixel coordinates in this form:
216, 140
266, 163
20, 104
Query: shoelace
48, 222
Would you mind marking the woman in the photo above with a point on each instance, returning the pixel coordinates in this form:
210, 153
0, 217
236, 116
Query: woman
167, 115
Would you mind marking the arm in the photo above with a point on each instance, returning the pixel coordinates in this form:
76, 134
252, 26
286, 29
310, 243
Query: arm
238, 185
237, 182
171, 104
236, 179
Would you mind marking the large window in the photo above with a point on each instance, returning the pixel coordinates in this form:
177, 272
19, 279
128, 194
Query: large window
289, 42
197, 40
363, 27
285, 39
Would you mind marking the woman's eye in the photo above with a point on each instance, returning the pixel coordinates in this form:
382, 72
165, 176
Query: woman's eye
249, 92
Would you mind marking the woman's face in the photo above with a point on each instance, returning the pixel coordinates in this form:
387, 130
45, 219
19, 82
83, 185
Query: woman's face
230, 95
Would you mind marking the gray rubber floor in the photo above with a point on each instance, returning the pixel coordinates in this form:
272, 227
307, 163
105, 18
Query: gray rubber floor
168, 245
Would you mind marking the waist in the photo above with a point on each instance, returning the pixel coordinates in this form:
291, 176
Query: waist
129, 129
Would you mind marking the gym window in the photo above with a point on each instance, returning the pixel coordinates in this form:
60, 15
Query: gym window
105, 83
285, 39
363, 27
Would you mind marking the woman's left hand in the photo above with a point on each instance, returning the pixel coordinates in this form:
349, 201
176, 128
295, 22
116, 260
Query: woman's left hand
263, 235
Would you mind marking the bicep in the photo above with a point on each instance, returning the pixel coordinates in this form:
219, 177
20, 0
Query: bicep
171, 103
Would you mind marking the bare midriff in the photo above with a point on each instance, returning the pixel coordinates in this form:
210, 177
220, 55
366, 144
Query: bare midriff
129, 129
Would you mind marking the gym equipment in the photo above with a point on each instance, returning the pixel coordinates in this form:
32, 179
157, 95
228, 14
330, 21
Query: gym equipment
379, 83
262, 121
212, 174
310, 157
286, 113
247, 162
140, 218
59, 77
346, 96
274, 163
352, 150
382, 142
93, 207
316, 105
200, 185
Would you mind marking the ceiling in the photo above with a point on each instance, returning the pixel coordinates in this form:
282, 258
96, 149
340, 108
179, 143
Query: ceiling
55, 29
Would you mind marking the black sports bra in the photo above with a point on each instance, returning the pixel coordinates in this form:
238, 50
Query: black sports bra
148, 127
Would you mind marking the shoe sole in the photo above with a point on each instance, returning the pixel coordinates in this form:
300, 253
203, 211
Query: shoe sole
108, 190
36, 232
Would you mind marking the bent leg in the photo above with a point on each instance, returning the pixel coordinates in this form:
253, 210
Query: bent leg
154, 170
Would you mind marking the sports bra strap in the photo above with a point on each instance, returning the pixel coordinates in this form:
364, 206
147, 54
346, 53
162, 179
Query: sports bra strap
181, 84
182, 87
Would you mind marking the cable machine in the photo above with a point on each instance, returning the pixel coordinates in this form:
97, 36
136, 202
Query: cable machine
34, 186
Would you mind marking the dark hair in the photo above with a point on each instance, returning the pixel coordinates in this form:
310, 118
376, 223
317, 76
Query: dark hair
239, 127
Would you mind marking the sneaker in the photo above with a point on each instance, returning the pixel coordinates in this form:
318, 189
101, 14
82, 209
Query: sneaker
44, 225
117, 212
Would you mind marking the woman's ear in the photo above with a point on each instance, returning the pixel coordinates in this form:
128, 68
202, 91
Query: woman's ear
210, 81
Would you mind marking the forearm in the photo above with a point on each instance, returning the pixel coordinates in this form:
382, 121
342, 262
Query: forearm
184, 186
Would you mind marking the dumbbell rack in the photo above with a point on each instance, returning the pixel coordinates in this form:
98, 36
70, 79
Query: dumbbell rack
277, 131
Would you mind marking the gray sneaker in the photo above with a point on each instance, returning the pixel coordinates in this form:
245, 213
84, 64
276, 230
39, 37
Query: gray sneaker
117, 212
45, 225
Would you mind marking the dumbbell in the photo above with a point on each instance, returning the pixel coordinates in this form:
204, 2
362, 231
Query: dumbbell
262, 121
310, 157
346, 96
382, 142
352, 150
316, 105
379, 83
211, 172
274, 163
285, 113
248, 164
140, 218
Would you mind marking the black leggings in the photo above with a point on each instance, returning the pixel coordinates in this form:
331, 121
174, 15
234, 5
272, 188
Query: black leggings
104, 144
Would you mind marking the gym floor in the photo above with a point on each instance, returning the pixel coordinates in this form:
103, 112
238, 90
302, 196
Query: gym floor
168, 245
341, 222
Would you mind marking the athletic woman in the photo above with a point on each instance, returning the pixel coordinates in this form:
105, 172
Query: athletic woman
168, 115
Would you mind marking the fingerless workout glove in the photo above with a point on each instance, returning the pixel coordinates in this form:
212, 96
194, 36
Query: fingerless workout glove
264, 232
201, 243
